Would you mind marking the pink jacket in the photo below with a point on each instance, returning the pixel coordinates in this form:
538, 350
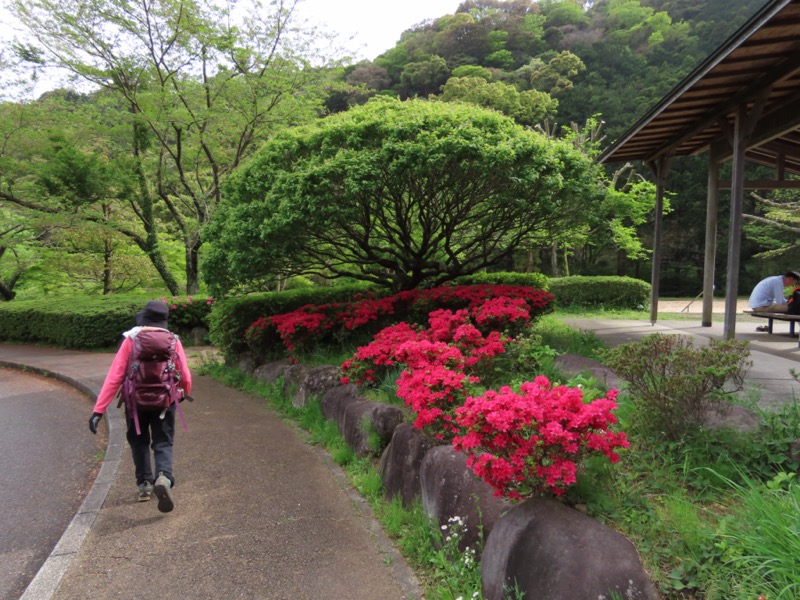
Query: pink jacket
116, 374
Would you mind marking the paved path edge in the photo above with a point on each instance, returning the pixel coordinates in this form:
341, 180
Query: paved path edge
47, 578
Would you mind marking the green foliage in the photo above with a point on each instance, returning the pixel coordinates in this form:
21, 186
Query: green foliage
534, 280
90, 322
401, 194
70, 322
759, 543
606, 291
527, 108
672, 384
186, 313
230, 317
565, 340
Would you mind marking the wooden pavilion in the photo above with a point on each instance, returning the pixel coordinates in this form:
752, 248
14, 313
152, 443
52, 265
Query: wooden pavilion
742, 104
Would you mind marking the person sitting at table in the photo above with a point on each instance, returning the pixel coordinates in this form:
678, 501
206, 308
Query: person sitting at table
768, 295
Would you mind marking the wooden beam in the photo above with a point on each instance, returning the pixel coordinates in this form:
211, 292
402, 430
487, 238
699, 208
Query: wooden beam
765, 184
782, 70
771, 126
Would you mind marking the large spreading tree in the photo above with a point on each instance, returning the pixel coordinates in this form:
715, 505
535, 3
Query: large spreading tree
400, 194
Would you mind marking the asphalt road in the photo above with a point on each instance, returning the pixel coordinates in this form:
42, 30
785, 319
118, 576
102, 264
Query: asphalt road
48, 460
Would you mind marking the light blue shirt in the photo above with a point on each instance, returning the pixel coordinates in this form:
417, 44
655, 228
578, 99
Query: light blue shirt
768, 291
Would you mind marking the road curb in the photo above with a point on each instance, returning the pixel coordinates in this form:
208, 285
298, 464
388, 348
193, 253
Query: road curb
45, 583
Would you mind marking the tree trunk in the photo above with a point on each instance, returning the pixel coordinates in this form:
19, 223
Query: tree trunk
6, 292
108, 252
192, 264
148, 218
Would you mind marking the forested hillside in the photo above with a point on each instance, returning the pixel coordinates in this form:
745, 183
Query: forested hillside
562, 62
107, 185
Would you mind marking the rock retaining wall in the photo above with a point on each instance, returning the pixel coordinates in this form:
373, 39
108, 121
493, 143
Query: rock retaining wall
542, 548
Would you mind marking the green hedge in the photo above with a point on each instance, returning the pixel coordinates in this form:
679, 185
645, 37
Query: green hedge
69, 322
88, 322
232, 316
605, 291
535, 280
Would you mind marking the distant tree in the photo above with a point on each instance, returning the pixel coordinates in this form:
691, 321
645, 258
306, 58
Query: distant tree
396, 193
472, 71
423, 77
202, 87
527, 108
555, 76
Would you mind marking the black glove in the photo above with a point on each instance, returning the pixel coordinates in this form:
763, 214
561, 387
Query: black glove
94, 420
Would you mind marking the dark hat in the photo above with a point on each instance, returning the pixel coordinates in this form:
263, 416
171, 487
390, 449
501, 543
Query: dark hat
794, 274
155, 314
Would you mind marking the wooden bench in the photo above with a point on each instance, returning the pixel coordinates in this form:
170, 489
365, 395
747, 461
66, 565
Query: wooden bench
773, 316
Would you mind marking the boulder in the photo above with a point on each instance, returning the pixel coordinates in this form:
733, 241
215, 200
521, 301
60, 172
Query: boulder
574, 364
354, 426
335, 401
552, 551
197, 336
400, 463
348, 409
293, 376
270, 372
385, 419
317, 381
246, 363
450, 489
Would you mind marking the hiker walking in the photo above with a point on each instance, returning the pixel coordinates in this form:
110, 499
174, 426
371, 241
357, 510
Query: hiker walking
150, 367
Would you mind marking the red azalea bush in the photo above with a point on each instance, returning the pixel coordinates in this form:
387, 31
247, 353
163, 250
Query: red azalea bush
460, 346
511, 308
531, 443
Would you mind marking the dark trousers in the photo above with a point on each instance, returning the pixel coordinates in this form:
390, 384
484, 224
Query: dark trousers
156, 433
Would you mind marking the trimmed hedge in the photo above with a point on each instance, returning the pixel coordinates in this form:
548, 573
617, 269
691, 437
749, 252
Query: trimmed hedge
605, 291
69, 322
231, 317
539, 281
88, 322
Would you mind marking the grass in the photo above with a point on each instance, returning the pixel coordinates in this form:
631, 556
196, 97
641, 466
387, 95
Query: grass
714, 514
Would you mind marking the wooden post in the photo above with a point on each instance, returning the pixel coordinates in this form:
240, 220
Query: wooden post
735, 233
711, 240
660, 169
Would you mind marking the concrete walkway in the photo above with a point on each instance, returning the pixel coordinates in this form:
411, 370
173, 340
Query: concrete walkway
259, 513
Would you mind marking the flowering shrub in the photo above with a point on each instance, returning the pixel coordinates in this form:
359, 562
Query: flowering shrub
260, 337
531, 443
379, 356
303, 326
189, 312
511, 309
473, 297
441, 361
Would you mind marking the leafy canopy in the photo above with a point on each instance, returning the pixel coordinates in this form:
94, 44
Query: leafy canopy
395, 193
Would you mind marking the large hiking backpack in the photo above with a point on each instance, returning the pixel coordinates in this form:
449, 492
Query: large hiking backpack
152, 383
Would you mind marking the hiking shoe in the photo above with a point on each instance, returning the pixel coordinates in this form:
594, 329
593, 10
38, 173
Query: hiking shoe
162, 492
762, 328
144, 491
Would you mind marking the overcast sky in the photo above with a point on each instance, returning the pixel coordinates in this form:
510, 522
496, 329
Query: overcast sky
375, 24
